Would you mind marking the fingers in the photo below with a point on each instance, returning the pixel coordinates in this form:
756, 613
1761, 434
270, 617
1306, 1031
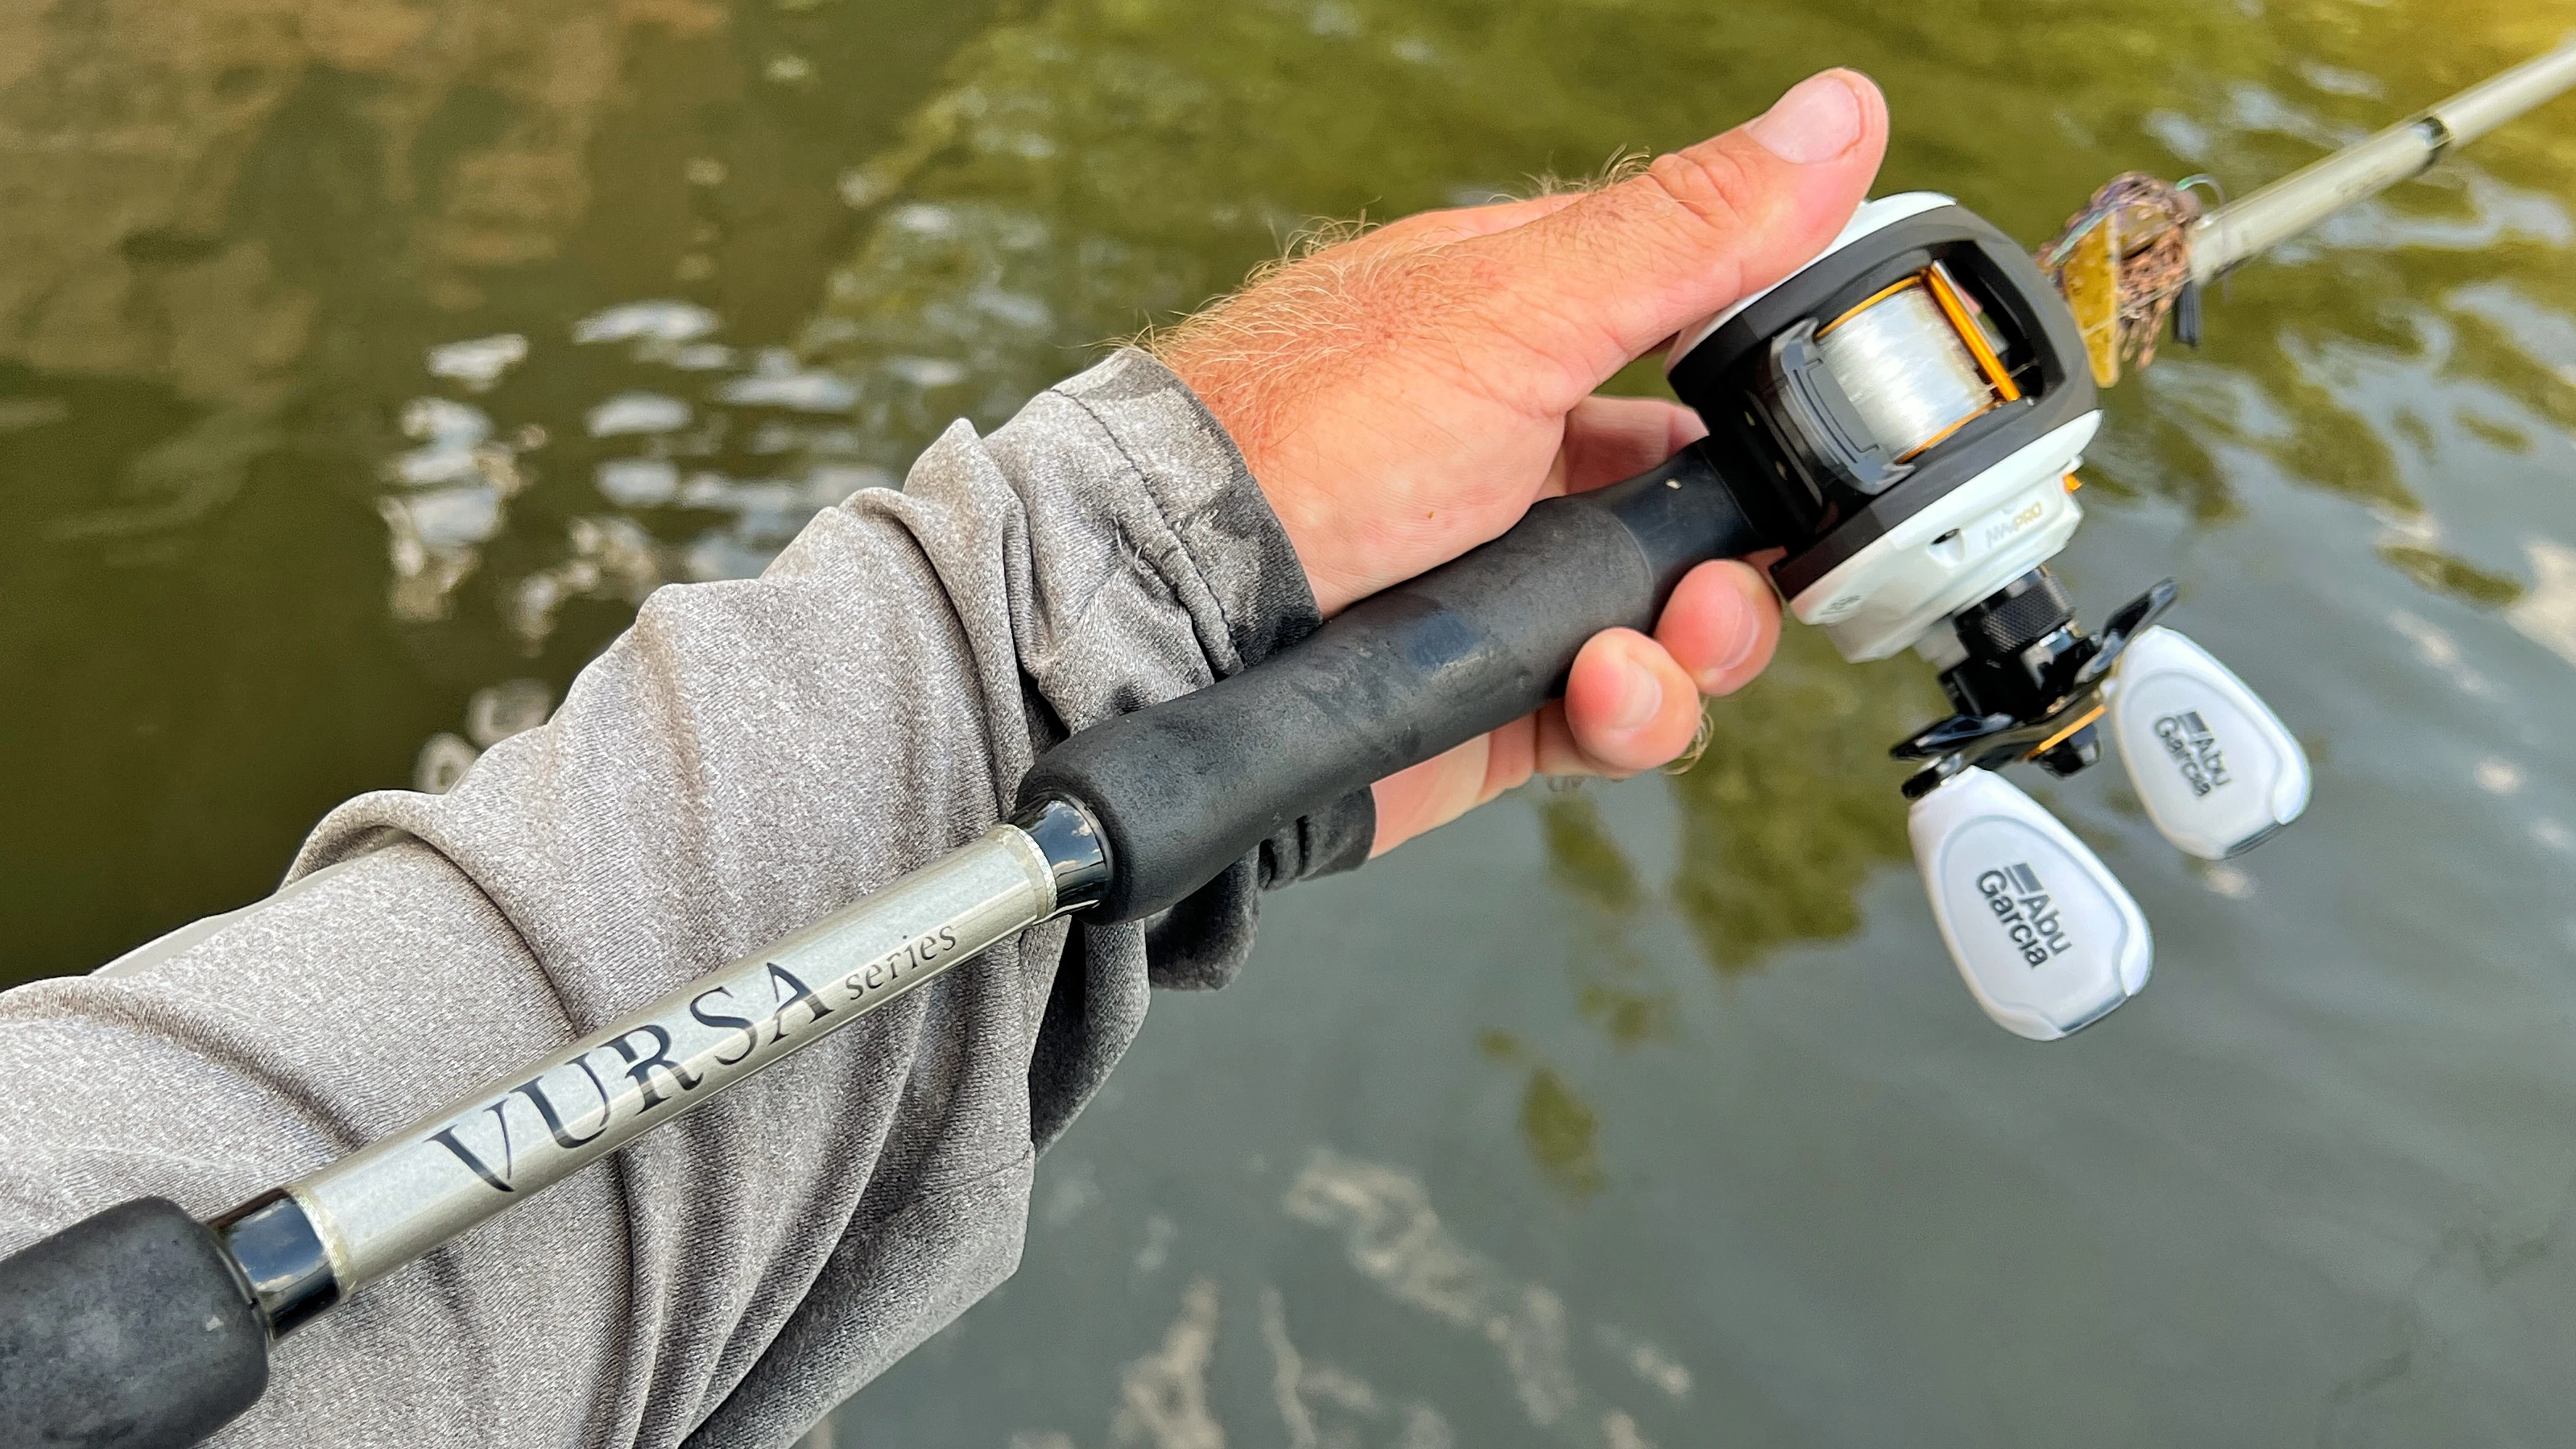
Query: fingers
1611, 438
1629, 706
1721, 625
1631, 703
1596, 283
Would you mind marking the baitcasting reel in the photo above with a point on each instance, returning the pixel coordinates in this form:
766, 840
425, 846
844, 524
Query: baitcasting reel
1905, 415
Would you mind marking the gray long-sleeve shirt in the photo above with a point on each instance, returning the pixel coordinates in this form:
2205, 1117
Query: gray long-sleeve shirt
748, 757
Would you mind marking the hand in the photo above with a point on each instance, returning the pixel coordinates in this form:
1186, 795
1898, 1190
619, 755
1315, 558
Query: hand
1407, 395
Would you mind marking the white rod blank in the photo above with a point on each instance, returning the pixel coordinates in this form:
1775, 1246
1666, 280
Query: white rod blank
395, 1200
2241, 230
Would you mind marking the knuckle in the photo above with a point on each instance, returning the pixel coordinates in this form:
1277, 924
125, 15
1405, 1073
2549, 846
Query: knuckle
1709, 183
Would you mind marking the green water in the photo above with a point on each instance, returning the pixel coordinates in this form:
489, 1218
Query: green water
1647, 1115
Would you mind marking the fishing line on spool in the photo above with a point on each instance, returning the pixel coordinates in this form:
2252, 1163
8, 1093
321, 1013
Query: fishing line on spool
1919, 362
1916, 361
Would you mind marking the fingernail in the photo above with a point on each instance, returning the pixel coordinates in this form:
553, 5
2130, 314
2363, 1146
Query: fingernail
1640, 699
1816, 121
1748, 632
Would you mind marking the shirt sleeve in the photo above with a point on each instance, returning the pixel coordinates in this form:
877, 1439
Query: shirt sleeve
747, 757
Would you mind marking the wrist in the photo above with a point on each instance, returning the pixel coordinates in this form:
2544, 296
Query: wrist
1231, 536
1317, 537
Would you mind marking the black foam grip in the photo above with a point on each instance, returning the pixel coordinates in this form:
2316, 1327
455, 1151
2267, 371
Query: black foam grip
127, 1330
1184, 788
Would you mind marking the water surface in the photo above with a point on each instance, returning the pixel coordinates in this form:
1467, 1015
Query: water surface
360, 369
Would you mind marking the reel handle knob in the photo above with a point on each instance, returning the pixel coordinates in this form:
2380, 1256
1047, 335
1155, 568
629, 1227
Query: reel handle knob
1183, 789
2216, 769
2046, 937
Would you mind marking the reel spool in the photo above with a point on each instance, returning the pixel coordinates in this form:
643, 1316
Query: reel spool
1905, 415
1904, 412
1915, 363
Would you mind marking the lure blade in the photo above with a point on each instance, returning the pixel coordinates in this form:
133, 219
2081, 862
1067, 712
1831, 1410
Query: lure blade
2090, 279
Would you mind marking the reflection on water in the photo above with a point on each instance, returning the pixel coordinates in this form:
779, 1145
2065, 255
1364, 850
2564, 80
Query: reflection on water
1584, 859
1391, 1237
1617, 987
1795, 802
2457, 577
614, 297
1570, 1380
304, 312
1791, 808
1560, 1129
491, 716
2547, 615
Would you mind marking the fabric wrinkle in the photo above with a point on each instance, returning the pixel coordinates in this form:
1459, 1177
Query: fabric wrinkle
747, 757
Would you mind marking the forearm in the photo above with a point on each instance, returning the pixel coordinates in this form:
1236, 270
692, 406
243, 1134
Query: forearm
750, 756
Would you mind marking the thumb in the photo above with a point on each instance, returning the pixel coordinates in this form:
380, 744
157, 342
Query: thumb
1596, 284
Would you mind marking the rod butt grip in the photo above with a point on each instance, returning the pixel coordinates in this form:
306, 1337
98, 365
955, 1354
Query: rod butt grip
130, 1329
1184, 788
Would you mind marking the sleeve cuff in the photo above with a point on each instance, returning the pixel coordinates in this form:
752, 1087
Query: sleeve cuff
1209, 498
1240, 553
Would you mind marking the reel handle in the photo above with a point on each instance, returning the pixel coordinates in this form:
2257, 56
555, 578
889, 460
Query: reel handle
1183, 789
2216, 769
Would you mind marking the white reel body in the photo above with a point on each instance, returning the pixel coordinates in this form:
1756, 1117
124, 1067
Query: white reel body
2217, 770
2010, 520
1918, 366
2045, 936
1904, 415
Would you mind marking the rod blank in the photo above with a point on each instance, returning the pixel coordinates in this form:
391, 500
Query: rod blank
2241, 230
398, 1198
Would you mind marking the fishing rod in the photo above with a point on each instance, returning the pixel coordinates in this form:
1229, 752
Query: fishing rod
1903, 417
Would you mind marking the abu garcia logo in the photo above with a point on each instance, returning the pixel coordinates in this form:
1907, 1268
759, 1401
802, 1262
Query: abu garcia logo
2194, 750
2022, 907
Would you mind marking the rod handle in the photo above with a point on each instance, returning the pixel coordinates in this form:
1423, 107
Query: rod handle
1184, 788
131, 1328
